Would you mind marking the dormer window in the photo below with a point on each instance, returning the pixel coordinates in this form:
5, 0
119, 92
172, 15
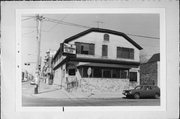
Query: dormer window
106, 37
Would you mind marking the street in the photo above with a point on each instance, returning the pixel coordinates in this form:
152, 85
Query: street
52, 96
89, 102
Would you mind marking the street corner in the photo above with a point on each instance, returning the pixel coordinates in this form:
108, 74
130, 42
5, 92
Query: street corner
55, 93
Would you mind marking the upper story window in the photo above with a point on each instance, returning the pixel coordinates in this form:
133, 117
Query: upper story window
84, 48
127, 53
106, 37
104, 50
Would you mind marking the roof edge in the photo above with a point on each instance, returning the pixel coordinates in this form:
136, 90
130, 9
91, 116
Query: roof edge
102, 31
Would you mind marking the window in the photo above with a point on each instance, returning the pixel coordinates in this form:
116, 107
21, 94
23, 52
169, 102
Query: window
123, 74
115, 73
106, 73
133, 76
127, 53
106, 37
104, 50
97, 72
84, 48
72, 72
138, 87
100, 72
85, 72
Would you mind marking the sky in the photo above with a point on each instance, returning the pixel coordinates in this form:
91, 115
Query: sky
53, 33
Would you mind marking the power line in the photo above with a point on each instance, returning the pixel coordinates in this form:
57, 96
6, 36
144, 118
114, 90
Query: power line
143, 36
83, 26
65, 23
29, 32
27, 18
56, 24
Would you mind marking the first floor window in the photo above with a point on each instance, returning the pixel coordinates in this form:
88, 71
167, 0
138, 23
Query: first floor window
115, 73
133, 76
106, 73
85, 72
123, 74
72, 72
97, 72
102, 72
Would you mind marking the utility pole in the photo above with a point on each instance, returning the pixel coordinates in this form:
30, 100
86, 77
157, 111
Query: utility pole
37, 73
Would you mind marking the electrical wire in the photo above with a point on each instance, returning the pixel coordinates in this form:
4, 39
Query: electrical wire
56, 21
143, 36
83, 26
29, 32
27, 18
65, 23
55, 25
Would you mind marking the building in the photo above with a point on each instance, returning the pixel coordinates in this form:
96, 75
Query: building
150, 71
47, 70
104, 61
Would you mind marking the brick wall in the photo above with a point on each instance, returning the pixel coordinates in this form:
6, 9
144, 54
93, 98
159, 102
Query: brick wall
103, 85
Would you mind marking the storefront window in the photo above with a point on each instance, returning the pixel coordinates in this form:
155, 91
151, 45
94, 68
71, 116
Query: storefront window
97, 72
115, 73
85, 72
123, 74
106, 73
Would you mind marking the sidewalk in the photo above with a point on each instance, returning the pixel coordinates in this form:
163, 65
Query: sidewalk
55, 92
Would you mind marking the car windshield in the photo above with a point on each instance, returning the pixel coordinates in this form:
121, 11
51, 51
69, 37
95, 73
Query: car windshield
138, 87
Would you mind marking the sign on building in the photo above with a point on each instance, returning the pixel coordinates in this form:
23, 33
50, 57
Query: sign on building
69, 48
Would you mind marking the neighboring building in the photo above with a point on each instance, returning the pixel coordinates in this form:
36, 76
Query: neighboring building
47, 70
150, 71
105, 61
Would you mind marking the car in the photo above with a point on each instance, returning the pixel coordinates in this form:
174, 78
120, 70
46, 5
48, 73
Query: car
143, 91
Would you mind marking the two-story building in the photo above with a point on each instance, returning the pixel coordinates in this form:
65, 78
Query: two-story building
105, 61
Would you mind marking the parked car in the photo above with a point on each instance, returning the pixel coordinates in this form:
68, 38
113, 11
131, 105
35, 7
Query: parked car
143, 91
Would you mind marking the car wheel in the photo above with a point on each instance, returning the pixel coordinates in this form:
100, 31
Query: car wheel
157, 96
136, 96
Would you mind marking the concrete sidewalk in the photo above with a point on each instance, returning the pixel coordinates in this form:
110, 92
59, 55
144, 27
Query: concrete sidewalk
55, 92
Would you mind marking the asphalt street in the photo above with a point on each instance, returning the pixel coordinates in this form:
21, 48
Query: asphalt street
28, 101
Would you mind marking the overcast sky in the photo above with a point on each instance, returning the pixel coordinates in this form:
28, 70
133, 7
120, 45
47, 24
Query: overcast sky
53, 34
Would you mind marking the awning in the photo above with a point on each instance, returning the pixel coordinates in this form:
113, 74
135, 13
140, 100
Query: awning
81, 64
